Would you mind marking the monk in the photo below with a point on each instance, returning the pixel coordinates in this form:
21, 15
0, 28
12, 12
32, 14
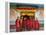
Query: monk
36, 24
17, 24
21, 21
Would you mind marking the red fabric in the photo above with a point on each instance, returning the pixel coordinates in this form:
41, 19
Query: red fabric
24, 23
33, 24
36, 24
25, 8
17, 24
29, 23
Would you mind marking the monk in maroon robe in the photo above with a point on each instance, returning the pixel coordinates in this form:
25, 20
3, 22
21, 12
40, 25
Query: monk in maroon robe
36, 25
17, 25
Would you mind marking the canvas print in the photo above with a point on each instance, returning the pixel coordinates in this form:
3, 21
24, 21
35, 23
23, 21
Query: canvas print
26, 17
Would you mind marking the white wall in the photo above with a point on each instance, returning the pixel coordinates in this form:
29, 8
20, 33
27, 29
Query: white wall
39, 17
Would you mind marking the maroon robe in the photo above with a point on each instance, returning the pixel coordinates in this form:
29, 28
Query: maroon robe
36, 24
17, 25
